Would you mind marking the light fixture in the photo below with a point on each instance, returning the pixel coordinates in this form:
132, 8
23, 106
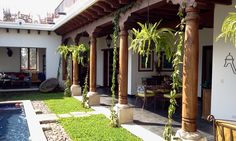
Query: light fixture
108, 40
61, 13
9, 52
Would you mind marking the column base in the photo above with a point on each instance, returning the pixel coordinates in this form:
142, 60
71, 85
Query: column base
94, 99
125, 113
189, 136
75, 90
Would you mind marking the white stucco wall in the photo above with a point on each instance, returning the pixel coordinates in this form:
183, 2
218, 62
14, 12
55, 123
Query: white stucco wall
34, 40
9, 64
224, 80
205, 39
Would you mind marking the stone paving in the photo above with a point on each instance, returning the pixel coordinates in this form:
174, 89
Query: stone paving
147, 121
154, 120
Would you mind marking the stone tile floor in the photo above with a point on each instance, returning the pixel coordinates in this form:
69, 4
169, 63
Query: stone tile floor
155, 120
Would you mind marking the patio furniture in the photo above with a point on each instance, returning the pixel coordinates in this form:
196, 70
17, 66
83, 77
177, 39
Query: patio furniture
48, 85
223, 130
145, 95
10, 80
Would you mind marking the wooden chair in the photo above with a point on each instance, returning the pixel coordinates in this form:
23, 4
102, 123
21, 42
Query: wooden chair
144, 95
224, 130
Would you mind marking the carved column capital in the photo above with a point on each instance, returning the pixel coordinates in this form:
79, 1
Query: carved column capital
192, 13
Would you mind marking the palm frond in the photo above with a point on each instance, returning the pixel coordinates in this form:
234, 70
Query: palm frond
228, 30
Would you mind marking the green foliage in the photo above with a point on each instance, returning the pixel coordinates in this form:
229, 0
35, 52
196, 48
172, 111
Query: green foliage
59, 68
63, 50
95, 128
68, 80
150, 39
114, 117
85, 92
176, 80
56, 102
163, 39
79, 53
228, 29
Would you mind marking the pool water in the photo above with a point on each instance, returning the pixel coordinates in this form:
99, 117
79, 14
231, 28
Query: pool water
13, 124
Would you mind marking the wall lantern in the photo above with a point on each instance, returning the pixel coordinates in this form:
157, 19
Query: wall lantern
9, 52
108, 40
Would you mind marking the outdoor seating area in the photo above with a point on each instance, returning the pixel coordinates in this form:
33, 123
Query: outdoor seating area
156, 91
120, 70
12, 80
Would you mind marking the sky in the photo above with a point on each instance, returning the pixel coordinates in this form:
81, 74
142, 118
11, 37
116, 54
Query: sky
33, 7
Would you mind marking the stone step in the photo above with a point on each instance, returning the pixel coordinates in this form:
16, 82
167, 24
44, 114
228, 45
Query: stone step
47, 118
46, 127
38, 111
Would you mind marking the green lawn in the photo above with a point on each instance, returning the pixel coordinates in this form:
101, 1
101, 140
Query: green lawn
95, 128
55, 101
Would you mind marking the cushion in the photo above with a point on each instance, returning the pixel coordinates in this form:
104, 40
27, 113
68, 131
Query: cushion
147, 94
178, 95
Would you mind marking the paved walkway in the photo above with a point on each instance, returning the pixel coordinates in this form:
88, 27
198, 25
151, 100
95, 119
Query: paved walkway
148, 124
155, 120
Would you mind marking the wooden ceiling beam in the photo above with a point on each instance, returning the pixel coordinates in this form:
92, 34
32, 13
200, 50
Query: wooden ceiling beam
98, 13
80, 20
87, 17
113, 3
105, 6
124, 1
94, 13
225, 2
99, 10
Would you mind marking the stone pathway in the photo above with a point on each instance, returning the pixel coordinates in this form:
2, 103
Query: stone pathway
52, 129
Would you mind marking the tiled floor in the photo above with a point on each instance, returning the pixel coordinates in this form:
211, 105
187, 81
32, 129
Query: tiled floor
155, 120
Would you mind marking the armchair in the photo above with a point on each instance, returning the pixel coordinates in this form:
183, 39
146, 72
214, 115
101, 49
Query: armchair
144, 95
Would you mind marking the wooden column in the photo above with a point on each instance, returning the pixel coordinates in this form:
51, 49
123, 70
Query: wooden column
92, 70
190, 71
75, 72
123, 67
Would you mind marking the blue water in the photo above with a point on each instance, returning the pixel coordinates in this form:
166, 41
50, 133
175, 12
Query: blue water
13, 124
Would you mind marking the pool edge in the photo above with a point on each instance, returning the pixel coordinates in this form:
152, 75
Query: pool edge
35, 129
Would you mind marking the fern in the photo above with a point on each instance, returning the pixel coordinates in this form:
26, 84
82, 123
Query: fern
163, 39
228, 30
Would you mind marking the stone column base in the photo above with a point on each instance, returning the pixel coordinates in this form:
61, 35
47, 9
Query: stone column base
75, 90
125, 113
189, 136
94, 99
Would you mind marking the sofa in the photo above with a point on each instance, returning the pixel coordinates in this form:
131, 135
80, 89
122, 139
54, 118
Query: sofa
14, 80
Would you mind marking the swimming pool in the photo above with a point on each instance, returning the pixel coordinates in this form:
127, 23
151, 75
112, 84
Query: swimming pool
13, 124
18, 122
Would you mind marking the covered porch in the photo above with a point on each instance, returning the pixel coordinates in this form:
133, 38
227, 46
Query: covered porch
155, 120
96, 29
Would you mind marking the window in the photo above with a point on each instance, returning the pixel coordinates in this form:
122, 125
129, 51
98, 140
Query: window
28, 58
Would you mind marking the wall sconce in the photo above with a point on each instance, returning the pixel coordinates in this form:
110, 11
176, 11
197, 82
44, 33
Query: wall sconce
61, 13
108, 40
9, 52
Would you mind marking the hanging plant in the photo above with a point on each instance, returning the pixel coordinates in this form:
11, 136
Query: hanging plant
85, 92
149, 38
78, 53
64, 51
176, 80
114, 116
68, 79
